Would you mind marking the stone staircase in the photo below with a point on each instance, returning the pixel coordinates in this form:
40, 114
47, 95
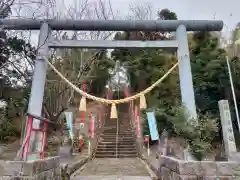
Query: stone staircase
116, 154
117, 139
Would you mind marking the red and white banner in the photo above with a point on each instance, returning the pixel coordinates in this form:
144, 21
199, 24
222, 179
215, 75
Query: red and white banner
126, 92
92, 126
137, 121
84, 89
99, 117
81, 144
109, 93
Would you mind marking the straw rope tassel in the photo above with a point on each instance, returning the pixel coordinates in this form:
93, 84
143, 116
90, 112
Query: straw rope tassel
113, 111
83, 104
143, 104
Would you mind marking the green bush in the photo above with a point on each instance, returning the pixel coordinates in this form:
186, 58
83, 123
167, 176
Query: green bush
198, 134
7, 129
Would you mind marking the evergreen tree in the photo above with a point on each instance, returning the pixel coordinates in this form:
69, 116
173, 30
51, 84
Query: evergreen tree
12, 52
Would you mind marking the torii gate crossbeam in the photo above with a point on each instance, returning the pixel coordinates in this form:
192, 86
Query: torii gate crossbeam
113, 25
46, 41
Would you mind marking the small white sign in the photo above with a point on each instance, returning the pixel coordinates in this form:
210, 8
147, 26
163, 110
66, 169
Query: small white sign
81, 125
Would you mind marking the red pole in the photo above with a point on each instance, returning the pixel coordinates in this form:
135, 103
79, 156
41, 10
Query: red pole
28, 135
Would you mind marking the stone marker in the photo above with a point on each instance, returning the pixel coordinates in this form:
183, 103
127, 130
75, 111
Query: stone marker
163, 142
227, 129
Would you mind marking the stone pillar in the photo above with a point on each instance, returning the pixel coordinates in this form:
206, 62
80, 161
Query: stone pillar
227, 129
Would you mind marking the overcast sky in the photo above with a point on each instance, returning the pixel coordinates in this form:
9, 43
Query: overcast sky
192, 9
226, 10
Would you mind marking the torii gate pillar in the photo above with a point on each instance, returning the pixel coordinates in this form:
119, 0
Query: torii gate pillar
37, 90
185, 73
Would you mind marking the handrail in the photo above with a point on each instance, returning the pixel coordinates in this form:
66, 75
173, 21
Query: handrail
41, 118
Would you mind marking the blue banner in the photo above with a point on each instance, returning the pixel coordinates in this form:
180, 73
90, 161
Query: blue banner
152, 126
69, 119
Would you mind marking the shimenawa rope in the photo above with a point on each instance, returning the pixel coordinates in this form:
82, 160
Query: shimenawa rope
119, 101
85, 95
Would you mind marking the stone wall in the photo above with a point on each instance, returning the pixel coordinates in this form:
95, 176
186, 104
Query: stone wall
48, 169
174, 169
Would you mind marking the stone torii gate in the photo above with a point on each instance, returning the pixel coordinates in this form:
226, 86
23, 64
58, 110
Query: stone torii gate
46, 41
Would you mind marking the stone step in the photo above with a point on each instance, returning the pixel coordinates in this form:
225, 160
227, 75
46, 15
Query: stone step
115, 122
119, 135
119, 129
114, 145
114, 151
111, 127
114, 136
113, 139
118, 151
119, 145
114, 148
115, 130
121, 123
118, 142
111, 177
117, 126
119, 132
109, 148
115, 156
